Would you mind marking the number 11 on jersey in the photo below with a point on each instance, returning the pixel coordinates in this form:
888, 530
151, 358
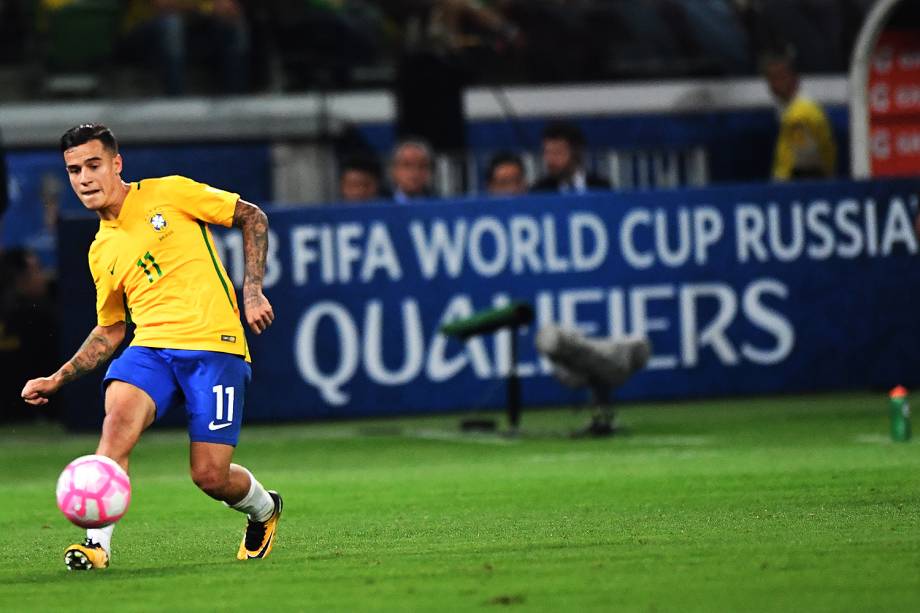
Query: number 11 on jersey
143, 265
219, 392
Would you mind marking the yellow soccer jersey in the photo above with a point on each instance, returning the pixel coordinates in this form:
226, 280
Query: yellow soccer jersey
158, 261
805, 146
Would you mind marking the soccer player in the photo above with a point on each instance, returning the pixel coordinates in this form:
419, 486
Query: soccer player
154, 264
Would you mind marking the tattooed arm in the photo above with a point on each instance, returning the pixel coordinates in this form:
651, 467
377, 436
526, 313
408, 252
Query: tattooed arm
95, 350
254, 224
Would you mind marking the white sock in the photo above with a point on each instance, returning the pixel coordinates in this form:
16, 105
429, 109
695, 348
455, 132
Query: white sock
257, 504
103, 536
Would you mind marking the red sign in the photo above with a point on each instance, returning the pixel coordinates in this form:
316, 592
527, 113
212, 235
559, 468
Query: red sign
894, 104
894, 98
897, 56
895, 149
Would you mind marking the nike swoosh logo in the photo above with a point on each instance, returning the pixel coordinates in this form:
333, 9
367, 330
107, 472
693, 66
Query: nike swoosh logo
212, 426
112, 269
261, 552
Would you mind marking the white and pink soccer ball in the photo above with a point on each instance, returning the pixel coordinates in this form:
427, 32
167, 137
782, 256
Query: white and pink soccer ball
93, 491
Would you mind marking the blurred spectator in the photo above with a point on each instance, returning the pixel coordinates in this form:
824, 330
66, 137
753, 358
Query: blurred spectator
805, 147
360, 179
320, 42
411, 170
446, 43
73, 37
643, 37
470, 23
660, 38
553, 38
563, 159
716, 37
31, 220
44, 241
28, 330
166, 33
506, 175
452, 25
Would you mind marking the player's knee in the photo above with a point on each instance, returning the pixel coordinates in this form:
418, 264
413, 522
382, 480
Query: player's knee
122, 422
212, 480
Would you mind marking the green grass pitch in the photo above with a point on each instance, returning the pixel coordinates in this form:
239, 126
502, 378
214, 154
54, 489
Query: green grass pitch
779, 504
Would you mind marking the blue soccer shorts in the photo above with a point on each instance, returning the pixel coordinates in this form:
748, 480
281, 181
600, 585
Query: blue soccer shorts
212, 386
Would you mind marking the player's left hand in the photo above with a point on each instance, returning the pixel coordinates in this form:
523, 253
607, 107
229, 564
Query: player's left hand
259, 314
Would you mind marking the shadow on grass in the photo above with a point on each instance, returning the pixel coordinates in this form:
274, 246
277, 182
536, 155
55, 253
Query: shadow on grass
116, 573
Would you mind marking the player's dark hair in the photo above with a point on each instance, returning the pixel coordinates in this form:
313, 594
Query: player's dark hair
82, 134
503, 157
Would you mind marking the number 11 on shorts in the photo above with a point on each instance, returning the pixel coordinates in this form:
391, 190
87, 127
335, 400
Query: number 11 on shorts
219, 391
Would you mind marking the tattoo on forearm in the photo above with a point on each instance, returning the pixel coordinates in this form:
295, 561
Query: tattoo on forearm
254, 224
95, 350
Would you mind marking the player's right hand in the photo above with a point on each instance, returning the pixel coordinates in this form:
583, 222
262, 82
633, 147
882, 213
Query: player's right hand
36, 391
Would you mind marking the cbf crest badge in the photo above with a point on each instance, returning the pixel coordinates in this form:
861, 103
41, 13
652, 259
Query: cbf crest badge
158, 222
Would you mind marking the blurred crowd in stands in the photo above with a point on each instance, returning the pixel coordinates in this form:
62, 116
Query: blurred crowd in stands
411, 170
83, 47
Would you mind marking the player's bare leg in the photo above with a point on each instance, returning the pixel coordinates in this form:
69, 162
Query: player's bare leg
234, 485
128, 412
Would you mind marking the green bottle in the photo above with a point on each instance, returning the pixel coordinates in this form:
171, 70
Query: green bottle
899, 411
